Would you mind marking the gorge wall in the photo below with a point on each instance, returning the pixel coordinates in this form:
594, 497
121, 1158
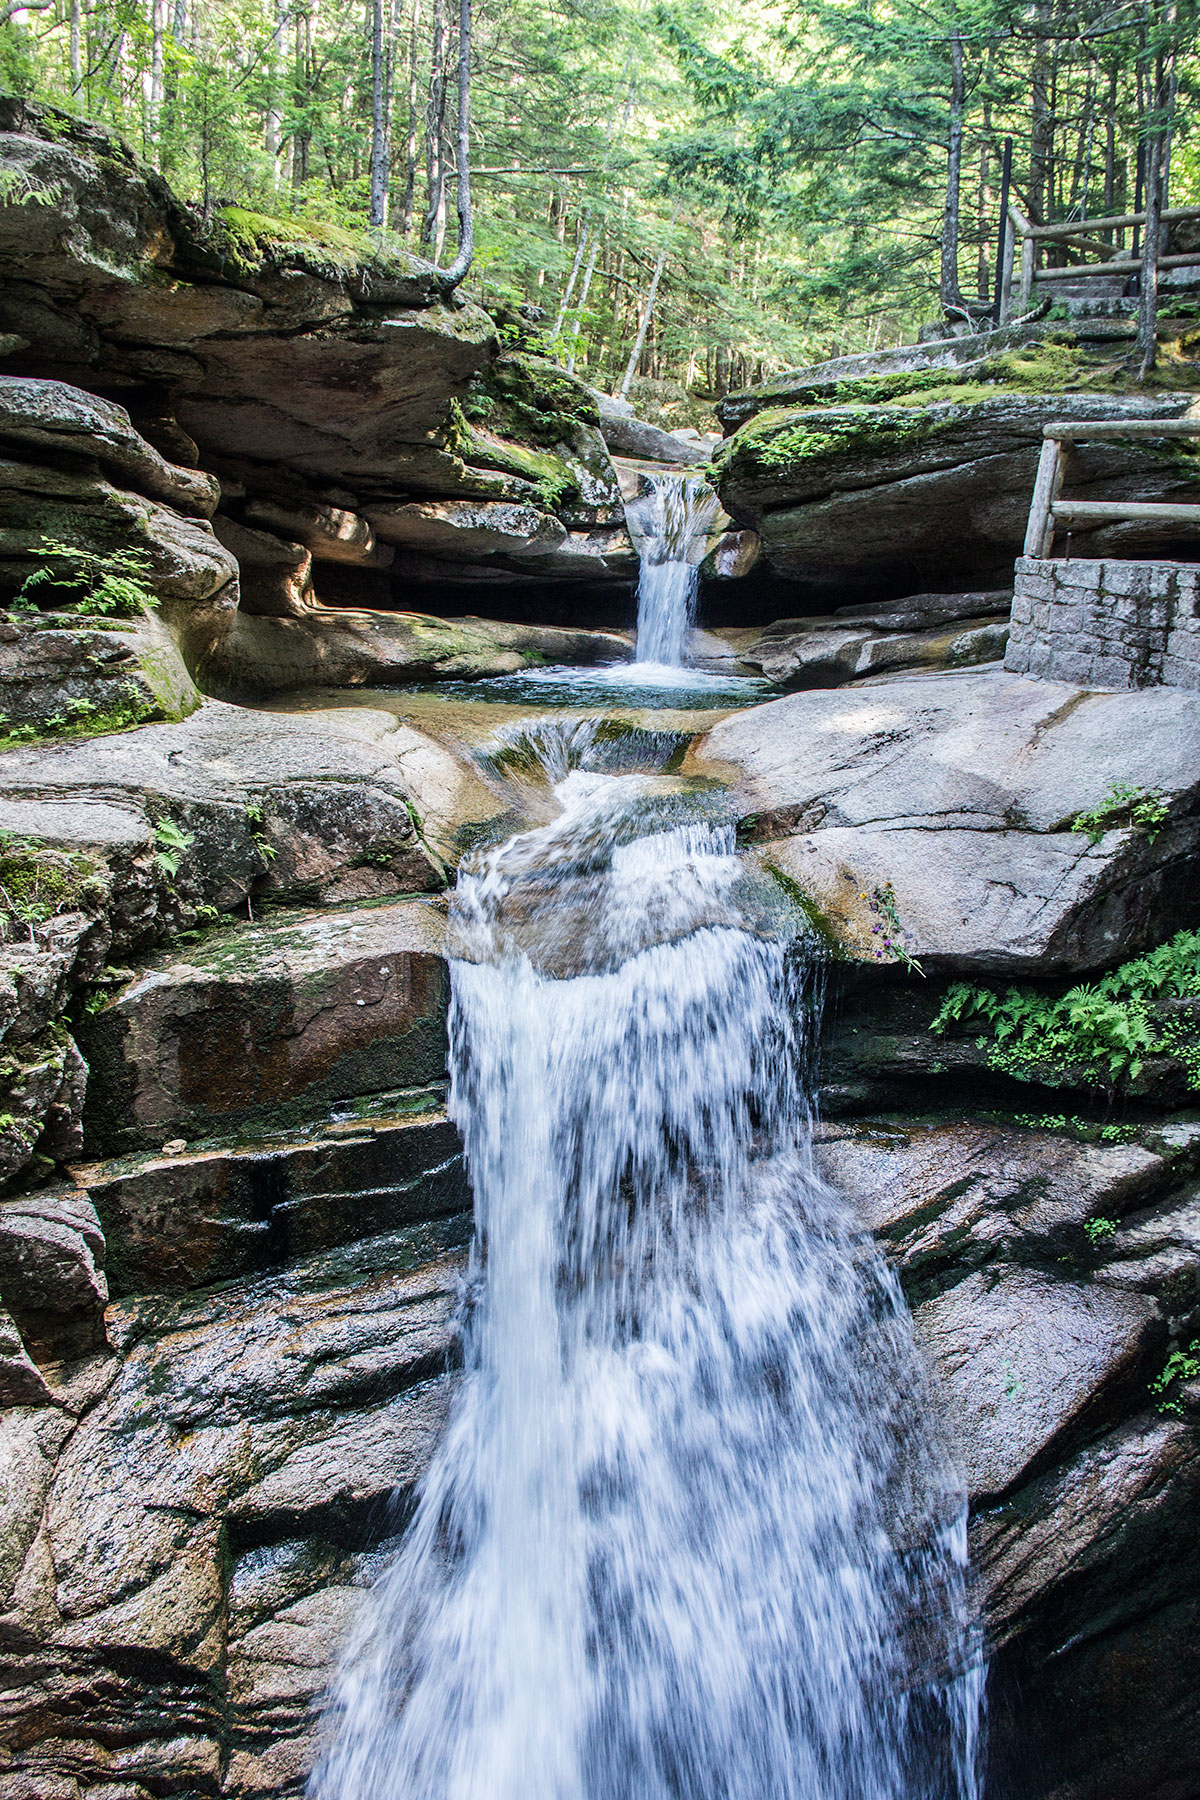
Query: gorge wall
233, 1225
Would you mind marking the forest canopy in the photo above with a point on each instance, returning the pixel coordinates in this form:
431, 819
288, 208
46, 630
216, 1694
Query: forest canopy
791, 181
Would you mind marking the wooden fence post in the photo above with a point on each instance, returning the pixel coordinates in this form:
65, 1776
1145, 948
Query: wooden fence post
1039, 538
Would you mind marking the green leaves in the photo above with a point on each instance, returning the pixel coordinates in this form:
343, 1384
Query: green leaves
115, 584
1129, 806
1105, 1029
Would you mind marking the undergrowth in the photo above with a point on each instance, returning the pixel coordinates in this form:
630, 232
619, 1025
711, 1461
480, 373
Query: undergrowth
1103, 1030
114, 584
36, 882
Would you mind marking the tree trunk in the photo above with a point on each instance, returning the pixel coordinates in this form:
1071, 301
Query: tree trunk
635, 355
950, 292
435, 110
1041, 124
580, 248
377, 205
76, 50
410, 147
449, 279
1160, 98
577, 322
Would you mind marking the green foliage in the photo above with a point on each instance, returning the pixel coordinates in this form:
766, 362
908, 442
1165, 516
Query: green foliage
1099, 1230
38, 881
19, 188
1111, 1133
1102, 1031
1180, 1367
83, 718
114, 584
173, 841
262, 843
1122, 805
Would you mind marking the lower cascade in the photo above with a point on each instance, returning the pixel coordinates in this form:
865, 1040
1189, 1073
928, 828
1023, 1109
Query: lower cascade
691, 1532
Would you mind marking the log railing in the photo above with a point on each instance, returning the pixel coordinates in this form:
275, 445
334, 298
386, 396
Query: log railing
1076, 235
1047, 512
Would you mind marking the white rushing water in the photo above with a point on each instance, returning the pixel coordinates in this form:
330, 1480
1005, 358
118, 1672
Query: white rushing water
690, 1533
671, 522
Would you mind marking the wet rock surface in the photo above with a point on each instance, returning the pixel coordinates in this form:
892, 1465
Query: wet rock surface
1049, 1342
956, 795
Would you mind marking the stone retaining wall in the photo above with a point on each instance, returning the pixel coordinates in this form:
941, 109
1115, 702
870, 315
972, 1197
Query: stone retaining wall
1106, 624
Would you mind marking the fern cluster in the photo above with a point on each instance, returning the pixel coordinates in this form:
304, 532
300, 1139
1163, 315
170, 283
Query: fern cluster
1105, 1029
115, 584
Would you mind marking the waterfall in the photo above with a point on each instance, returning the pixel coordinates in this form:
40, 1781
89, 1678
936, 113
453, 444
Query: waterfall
691, 1533
670, 523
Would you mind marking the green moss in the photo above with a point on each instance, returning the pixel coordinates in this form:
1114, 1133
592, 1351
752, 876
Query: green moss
38, 881
776, 440
253, 237
876, 413
804, 903
526, 397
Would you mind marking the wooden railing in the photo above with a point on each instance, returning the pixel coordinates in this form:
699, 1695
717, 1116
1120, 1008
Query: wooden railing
1047, 512
1114, 259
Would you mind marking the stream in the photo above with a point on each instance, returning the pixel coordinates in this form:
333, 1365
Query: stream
692, 1532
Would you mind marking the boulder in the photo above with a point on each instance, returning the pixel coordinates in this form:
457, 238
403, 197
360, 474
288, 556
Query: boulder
826, 652
317, 806
191, 1218
244, 1454
930, 818
847, 376
627, 435
257, 1027
855, 502
63, 671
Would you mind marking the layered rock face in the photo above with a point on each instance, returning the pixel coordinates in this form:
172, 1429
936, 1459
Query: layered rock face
364, 443
880, 476
229, 1332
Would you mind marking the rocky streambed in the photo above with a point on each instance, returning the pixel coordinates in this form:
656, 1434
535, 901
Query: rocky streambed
233, 1269
234, 1217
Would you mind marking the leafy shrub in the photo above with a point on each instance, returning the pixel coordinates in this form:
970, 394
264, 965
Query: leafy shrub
116, 583
1106, 1028
1144, 811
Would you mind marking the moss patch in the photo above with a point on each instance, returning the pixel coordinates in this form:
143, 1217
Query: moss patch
252, 238
36, 882
527, 397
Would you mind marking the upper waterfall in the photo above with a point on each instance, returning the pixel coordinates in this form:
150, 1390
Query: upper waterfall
671, 524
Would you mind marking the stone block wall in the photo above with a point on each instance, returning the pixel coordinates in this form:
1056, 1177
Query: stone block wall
1106, 624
